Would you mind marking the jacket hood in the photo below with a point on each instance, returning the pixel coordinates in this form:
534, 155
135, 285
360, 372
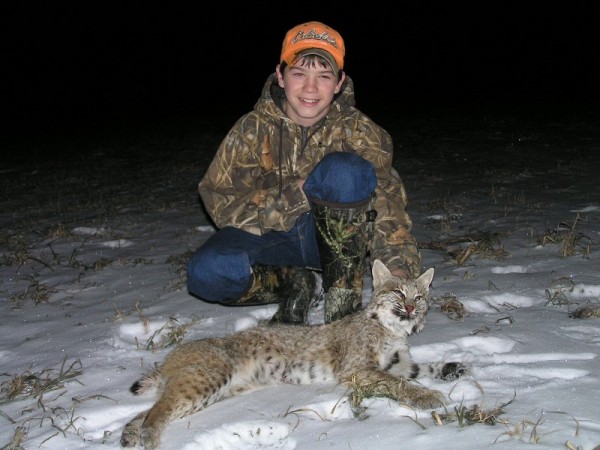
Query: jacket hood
273, 97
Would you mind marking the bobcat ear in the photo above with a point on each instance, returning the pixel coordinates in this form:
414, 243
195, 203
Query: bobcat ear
427, 277
380, 272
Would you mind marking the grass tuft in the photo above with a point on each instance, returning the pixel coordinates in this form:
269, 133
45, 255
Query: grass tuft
32, 385
571, 241
465, 416
171, 333
477, 244
557, 293
36, 292
360, 391
18, 437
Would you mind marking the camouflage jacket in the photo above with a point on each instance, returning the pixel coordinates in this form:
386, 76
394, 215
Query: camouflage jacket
252, 183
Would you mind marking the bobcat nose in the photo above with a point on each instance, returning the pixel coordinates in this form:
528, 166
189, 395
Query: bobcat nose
409, 308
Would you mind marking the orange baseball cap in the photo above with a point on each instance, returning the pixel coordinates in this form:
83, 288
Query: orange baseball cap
313, 38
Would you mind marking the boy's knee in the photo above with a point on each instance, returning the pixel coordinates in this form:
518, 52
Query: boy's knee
196, 279
341, 177
216, 278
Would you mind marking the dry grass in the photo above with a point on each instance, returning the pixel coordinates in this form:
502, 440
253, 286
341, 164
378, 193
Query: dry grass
529, 431
475, 245
570, 241
58, 230
525, 430
361, 391
488, 246
464, 416
36, 292
16, 258
19, 253
171, 333
35, 385
556, 295
18, 438
520, 431
299, 411
461, 414
510, 199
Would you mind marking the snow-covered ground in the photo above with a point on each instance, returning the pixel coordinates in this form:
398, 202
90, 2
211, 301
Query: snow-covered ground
95, 233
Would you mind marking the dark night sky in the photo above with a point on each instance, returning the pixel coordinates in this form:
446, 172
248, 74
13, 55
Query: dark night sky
86, 64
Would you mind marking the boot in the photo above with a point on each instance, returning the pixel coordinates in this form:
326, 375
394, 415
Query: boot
299, 291
294, 288
266, 285
344, 235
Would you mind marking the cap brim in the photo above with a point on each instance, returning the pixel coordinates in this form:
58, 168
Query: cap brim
319, 52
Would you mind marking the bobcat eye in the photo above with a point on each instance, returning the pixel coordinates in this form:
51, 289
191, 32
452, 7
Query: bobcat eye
400, 294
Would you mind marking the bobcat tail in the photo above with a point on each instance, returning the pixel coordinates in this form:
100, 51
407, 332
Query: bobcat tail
447, 371
148, 382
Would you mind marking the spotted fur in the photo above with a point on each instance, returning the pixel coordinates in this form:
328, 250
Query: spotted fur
369, 346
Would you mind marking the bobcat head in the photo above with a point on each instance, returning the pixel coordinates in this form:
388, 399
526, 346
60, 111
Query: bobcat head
400, 305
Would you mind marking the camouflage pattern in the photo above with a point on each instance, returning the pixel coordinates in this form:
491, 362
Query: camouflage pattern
294, 288
344, 236
252, 183
300, 292
267, 282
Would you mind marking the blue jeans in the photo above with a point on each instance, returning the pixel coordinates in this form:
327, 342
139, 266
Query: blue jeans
221, 269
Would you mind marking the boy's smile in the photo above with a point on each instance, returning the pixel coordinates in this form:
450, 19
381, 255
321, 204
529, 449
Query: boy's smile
309, 90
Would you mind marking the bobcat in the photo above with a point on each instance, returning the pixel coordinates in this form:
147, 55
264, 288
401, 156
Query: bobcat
369, 346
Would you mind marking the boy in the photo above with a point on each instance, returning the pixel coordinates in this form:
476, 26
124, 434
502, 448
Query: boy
302, 184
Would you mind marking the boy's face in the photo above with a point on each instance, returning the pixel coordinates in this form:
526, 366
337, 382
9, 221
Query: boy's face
309, 90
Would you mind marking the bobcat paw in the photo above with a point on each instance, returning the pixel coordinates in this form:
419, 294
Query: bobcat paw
426, 399
150, 438
131, 434
130, 439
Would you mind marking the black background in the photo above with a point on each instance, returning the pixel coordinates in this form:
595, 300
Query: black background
83, 64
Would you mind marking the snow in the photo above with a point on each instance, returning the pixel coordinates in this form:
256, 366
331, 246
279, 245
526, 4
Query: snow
93, 294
